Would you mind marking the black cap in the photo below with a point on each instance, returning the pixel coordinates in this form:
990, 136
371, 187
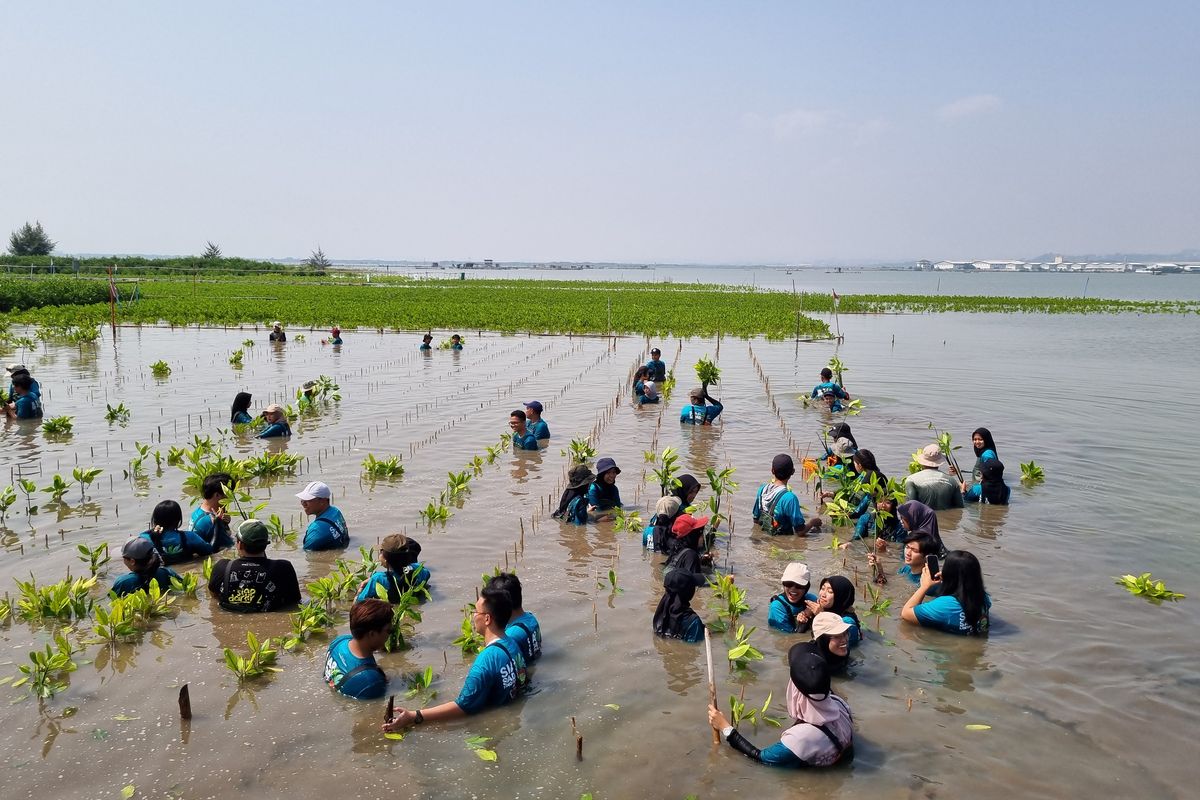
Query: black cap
809, 670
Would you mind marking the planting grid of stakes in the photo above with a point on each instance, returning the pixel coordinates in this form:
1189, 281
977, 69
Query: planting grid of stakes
437, 411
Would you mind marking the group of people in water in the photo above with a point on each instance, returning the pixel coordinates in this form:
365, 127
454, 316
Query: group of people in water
948, 589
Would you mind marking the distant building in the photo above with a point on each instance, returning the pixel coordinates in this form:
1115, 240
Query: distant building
924, 264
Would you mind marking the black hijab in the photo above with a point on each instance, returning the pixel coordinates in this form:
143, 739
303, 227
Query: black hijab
988, 442
674, 612
921, 519
843, 596
842, 431
991, 486
241, 402
820, 646
686, 484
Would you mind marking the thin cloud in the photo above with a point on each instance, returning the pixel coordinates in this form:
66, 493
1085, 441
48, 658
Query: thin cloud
970, 106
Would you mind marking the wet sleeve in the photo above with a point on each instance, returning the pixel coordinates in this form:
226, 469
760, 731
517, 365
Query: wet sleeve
937, 613
756, 510
198, 545
778, 755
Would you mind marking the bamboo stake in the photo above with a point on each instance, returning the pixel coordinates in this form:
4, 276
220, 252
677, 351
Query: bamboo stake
712, 686
185, 703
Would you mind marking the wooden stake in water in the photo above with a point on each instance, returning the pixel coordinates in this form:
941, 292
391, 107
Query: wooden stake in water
185, 703
712, 686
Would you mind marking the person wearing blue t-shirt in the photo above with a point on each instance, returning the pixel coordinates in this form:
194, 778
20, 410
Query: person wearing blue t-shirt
603, 497
328, 530
24, 403
210, 520
456, 342
990, 488
776, 508
916, 548
497, 677
350, 667
534, 421
426, 343
523, 628
145, 567
174, 546
963, 606
402, 571
836, 596
335, 335
703, 409
277, 424
656, 369
787, 611
985, 450
828, 386
674, 617
16, 370
522, 437
239, 412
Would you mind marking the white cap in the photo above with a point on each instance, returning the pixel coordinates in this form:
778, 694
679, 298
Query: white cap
314, 490
796, 573
276, 324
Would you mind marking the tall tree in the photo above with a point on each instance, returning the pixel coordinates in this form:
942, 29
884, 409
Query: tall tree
212, 251
318, 260
30, 240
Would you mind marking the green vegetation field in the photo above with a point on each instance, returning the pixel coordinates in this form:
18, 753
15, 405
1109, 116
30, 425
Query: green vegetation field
541, 306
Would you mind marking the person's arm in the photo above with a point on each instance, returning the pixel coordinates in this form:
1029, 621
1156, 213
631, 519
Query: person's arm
289, 586
406, 719
198, 545
909, 613
218, 576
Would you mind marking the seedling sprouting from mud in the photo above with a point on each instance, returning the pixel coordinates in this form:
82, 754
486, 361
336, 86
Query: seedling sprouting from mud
280, 534
1031, 473
418, 684
742, 652
721, 482
235, 359
580, 451
27, 488
406, 612
879, 605
731, 599
186, 584
46, 665
270, 464
58, 426
457, 483
1146, 586
438, 512
7, 498
475, 465
312, 617
118, 413
115, 623
57, 488
160, 369
738, 713
257, 662
610, 581
468, 640
84, 476
376, 468
68, 599
95, 557
248, 343
627, 520
667, 471
150, 603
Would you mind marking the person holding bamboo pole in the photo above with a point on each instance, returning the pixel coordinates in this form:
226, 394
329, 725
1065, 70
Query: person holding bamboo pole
823, 734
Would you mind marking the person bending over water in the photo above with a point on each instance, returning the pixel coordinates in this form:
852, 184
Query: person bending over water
573, 505
823, 733
963, 606
145, 567
496, 678
173, 545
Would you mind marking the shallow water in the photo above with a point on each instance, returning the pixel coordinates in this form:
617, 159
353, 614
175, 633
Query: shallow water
1086, 688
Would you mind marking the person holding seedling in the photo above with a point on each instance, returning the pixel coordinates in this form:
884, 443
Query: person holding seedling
603, 496
523, 627
350, 667
496, 678
824, 731
702, 409
830, 390
786, 609
210, 520
917, 548
15, 370
776, 508
930, 485
991, 487
328, 530
402, 571
173, 545
335, 335
656, 369
253, 583
145, 566
573, 505
533, 418
522, 437
985, 450
24, 403
277, 334
277, 424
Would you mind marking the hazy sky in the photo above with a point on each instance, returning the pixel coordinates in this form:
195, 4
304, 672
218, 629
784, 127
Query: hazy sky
689, 131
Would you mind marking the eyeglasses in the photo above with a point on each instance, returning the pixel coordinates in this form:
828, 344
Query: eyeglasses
790, 585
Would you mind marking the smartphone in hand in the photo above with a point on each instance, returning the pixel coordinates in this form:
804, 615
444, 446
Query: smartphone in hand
934, 567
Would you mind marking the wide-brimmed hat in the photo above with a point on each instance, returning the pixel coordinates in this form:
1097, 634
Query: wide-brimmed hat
686, 523
579, 476
930, 456
843, 448
605, 464
828, 624
797, 573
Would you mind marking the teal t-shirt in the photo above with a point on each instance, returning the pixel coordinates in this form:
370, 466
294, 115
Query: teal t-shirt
946, 614
496, 677
360, 678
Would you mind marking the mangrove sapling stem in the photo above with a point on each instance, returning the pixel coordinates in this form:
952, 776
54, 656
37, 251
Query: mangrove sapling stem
712, 685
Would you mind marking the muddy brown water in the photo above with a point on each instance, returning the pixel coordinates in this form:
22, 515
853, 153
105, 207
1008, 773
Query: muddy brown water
1087, 690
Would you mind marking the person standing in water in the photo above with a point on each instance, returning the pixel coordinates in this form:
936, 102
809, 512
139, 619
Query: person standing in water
656, 369
277, 334
426, 342
534, 421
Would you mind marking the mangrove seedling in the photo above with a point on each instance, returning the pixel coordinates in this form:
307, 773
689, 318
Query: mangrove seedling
731, 599
206, 568
837, 368
7, 498
627, 520
406, 612
27, 488
611, 582
160, 369
457, 483
279, 534
738, 713
186, 584
255, 663
118, 413
835, 544
879, 605
84, 477
65, 600
667, 471
248, 343
269, 464
468, 640
236, 360
46, 665
476, 743
326, 591
1032, 473
1146, 586
135, 464
418, 684
742, 652
475, 465
580, 451
707, 371
95, 557
58, 426
312, 617
385, 467
57, 488
115, 623
150, 603
721, 482
436, 513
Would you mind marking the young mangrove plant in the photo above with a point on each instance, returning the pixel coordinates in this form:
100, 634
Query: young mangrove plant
475, 465
468, 640
116, 623
457, 483
206, 568
477, 745
279, 533
68, 599
27, 488
136, 469
628, 520
418, 684
248, 343
148, 604
406, 613
1031, 473
730, 599
667, 471
7, 498
118, 413
57, 488
84, 476
436, 513
721, 482
376, 468
610, 581
580, 451
235, 359
738, 713
837, 368
879, 605
1146, 586
95, 557
312, 617
46, 665
58, 426
270, 464
707, 371
257, 662
160, 369
742, 652
185, 584
325, 591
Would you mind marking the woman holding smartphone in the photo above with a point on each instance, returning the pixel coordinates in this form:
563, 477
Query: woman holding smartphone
963, 605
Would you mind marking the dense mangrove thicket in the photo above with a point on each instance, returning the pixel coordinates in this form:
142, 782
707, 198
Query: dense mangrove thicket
19, 294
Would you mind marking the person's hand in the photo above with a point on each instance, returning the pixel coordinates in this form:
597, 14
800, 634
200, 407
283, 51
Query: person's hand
963, 484
812, 607
880, 545
872, 559
400, 720
928, 580
716, 718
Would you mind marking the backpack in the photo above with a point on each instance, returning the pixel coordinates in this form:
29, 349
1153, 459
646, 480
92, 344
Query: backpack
766, 519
